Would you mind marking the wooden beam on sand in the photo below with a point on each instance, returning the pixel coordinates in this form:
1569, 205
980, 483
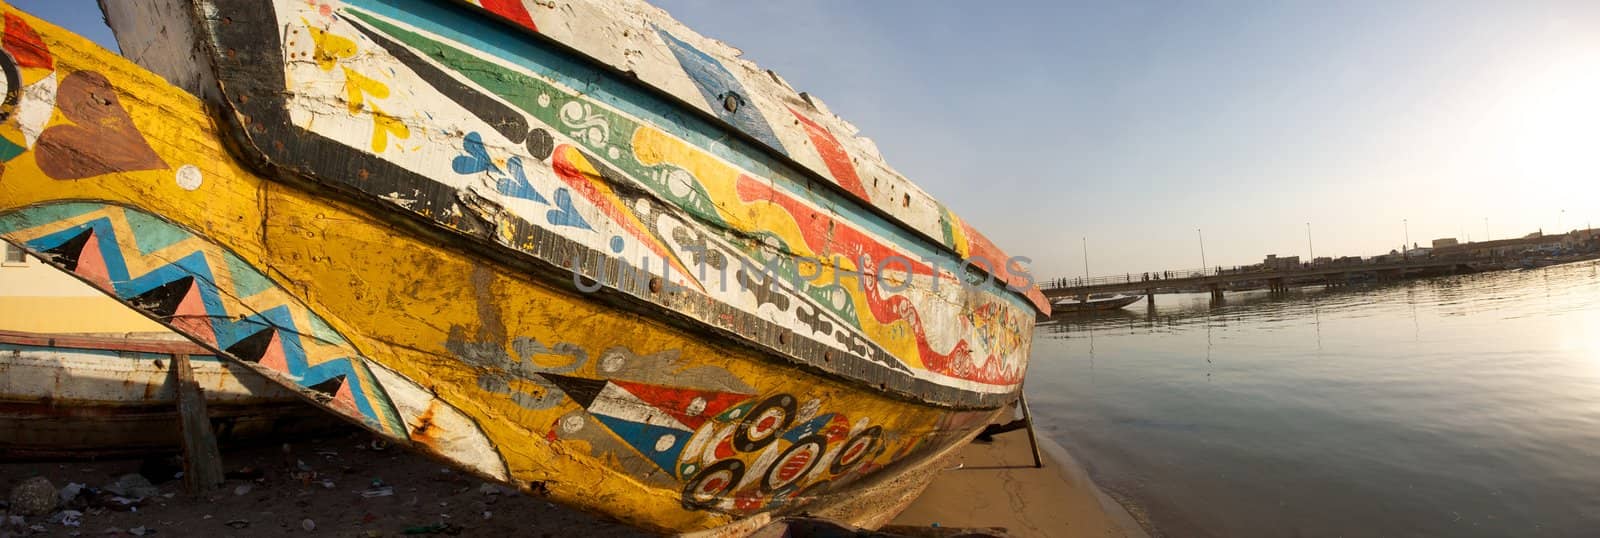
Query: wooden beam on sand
202, 463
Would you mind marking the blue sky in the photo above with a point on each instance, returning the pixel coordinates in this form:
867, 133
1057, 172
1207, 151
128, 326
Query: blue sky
1135, 123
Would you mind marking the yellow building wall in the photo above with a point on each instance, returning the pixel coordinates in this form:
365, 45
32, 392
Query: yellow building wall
35, 297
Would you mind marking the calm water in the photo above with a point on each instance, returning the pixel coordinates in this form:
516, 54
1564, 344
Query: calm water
1457, 406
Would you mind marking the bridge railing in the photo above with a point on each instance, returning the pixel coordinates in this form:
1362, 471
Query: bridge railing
1128, 278
1170, 274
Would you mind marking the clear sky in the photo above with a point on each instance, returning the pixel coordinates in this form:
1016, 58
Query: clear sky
1135, 123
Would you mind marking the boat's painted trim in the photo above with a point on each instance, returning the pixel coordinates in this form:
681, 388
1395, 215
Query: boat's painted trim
910, 342
639, 41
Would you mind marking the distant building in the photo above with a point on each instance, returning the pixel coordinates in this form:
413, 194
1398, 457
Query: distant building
1502, 248
1446, 242
1273, 262
35, 297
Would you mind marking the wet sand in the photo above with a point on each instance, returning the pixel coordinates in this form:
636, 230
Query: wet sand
996, 485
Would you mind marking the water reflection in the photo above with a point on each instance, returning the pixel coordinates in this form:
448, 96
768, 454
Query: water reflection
1460, 406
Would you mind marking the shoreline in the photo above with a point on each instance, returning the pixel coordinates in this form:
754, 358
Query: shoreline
989, 485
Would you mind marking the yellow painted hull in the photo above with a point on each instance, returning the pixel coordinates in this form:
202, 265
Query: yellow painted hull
474, 361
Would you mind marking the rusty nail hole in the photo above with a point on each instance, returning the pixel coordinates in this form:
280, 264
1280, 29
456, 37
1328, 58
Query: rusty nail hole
277, 145
362, 173
159, 364
232, 53
783, 338
655, 284
907, 201
227, 20
827, 356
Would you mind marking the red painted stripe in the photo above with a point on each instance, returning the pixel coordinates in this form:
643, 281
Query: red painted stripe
24, 44
513, 10
834, 156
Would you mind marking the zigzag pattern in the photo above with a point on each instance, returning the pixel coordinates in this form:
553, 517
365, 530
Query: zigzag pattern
207, 293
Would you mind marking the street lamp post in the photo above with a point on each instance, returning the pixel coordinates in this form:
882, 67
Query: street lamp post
1405, 248
1309, 247
1202, 236
1085, 261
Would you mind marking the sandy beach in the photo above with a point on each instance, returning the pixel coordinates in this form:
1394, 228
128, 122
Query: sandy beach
994, 484
344, 486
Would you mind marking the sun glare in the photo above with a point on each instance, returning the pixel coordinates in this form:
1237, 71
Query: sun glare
1557, 138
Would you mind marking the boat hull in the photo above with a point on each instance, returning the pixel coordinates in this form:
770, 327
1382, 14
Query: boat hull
1071, 307
502, 369
73, 396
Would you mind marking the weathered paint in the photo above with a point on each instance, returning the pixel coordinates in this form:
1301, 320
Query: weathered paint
633, 37
86, 396
446, 115
434, 344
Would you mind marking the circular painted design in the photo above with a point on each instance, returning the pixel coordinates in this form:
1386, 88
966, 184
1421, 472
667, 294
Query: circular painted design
540, 144
696, 406
188, 177
764, 422
612, 362
571, 423
856, 450
794, 463
711, 483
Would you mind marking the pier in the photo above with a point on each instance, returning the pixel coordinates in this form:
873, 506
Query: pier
1216, 280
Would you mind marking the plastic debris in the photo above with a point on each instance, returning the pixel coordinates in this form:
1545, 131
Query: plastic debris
237, 523
241, 489
70, 492
68, 518
141, 530
132, 485
384, 491
308, 524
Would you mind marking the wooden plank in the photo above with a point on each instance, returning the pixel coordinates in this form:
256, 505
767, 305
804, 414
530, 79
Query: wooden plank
202, 464
101, 342
1033, 442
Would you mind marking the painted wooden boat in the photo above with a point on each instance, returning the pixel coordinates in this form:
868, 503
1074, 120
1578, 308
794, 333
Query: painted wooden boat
91, 396
570, 246
1094, 303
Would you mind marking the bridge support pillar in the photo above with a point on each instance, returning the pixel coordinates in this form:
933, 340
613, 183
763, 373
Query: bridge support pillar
1150, 298
1216, 293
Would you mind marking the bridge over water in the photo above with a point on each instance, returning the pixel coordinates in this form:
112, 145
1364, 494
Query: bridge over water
1218, 279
